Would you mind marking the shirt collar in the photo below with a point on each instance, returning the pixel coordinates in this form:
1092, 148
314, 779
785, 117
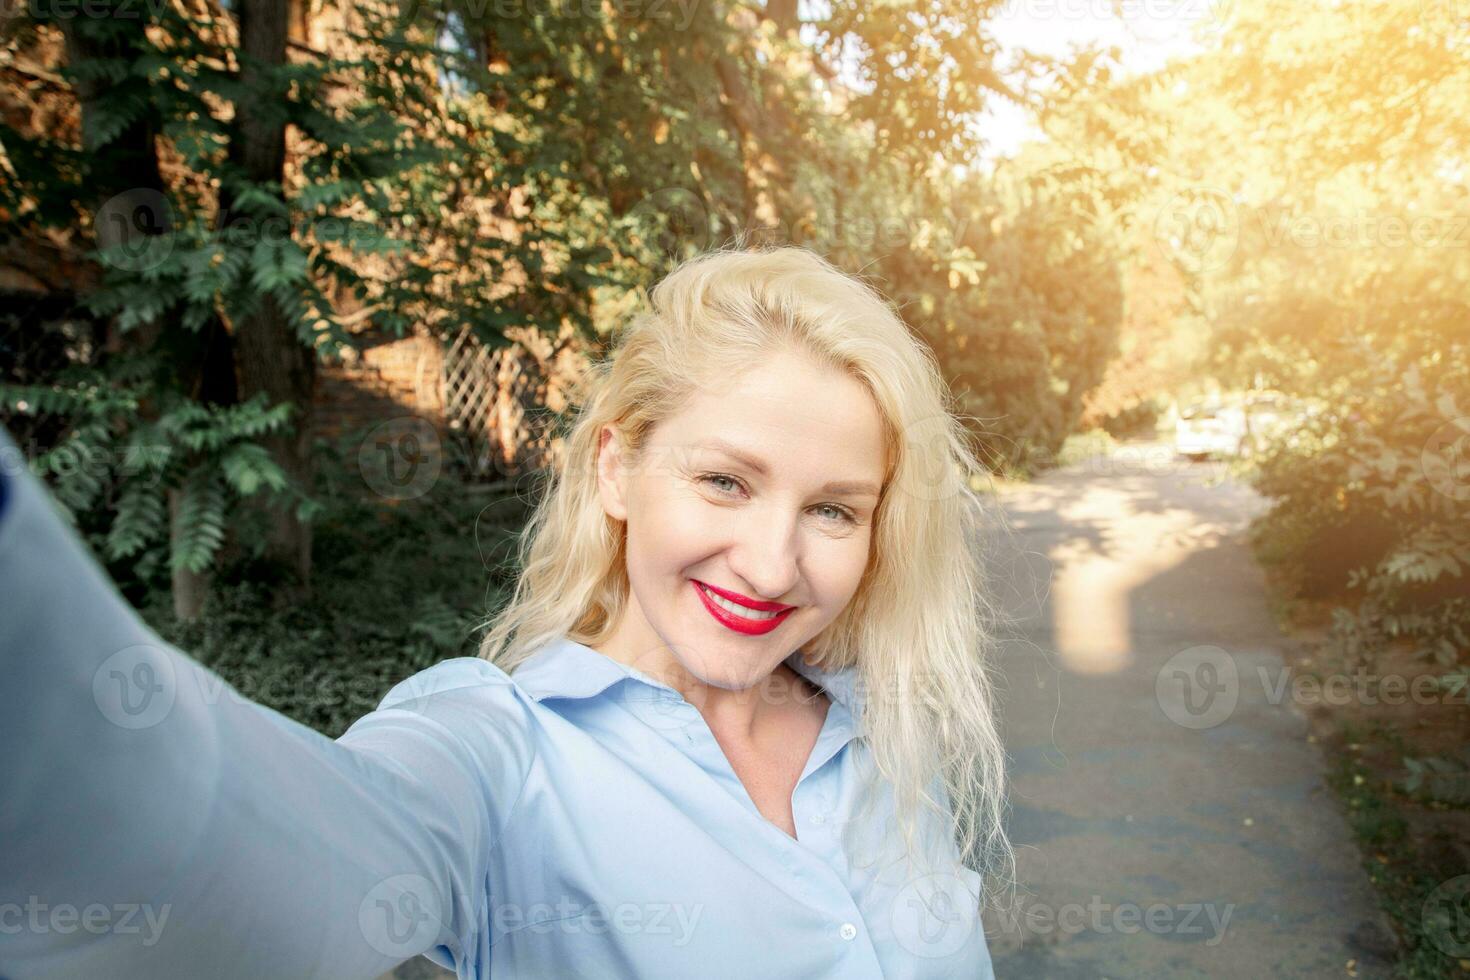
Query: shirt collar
564, 668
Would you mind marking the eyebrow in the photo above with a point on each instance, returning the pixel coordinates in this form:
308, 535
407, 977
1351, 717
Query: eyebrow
841, 488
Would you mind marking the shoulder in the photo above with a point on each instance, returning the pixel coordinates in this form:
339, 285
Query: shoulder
461, 674
471, 697
466, 706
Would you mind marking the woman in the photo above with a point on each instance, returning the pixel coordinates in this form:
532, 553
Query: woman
735, 720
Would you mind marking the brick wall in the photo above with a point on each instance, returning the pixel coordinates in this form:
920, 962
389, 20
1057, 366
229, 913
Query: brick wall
388, 378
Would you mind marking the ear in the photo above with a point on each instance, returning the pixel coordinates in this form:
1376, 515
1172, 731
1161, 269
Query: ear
612, 474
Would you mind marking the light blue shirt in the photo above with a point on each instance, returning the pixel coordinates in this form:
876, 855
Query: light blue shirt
576, 819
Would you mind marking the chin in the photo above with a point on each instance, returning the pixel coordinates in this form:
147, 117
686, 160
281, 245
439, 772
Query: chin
723, 674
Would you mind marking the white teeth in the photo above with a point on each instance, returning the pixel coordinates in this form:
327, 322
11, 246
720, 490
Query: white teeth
737, 609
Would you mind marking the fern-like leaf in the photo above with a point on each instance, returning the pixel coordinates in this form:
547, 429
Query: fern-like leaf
201, 522
140, 520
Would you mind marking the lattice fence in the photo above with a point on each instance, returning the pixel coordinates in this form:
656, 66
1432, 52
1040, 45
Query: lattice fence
502, 401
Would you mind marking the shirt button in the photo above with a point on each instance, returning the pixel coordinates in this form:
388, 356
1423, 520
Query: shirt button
848, 931
818, 818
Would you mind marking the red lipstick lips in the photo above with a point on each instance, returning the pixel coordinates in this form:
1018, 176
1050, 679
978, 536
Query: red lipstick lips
735, 621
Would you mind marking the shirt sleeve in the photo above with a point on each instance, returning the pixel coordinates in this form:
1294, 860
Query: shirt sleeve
156, 823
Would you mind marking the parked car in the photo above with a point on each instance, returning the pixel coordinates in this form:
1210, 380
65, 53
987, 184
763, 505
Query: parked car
1239, 427
1206, 429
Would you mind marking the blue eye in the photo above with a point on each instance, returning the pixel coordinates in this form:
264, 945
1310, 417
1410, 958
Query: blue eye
711, 477
842, 514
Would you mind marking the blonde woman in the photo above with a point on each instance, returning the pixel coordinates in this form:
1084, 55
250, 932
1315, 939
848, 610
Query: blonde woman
735, 721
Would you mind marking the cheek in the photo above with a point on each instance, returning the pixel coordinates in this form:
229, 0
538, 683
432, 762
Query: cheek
669, 529
838, 565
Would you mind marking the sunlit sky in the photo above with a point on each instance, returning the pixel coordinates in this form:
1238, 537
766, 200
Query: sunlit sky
1147, 32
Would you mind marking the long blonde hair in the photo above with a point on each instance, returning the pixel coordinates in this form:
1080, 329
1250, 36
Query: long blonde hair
919, 628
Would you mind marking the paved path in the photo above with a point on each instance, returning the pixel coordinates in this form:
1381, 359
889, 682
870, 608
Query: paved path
1166, 828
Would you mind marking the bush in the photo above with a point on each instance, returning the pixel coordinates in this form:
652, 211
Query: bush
1139, 419
1371, 502
396, 588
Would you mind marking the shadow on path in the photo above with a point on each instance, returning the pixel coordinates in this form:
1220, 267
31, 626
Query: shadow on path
1171, 820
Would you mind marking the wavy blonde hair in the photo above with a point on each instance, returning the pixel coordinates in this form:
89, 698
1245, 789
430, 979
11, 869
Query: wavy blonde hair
919, 627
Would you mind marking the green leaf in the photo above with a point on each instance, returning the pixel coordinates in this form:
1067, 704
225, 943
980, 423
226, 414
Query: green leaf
140, 519
200, 525
248, 466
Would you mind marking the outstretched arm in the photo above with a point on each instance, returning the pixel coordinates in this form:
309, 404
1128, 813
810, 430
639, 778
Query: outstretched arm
156, 823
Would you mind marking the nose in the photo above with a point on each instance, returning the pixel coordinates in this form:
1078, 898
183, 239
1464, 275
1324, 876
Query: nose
767, 554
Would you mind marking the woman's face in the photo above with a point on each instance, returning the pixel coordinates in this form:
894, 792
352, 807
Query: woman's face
765, 489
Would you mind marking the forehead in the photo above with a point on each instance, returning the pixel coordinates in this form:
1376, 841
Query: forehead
795, 414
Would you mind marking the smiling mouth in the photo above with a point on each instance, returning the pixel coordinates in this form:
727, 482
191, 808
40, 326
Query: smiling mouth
740, 617
738, 609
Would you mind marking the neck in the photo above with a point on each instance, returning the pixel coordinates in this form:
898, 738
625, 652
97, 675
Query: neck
742, 714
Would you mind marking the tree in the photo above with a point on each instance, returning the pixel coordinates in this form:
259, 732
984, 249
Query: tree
437, 166
1306, 173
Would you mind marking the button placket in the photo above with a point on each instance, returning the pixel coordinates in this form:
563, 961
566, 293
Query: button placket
810, 803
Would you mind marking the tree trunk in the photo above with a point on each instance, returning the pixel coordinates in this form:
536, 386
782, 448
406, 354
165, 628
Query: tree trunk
784, 13
270, 358
127, 163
